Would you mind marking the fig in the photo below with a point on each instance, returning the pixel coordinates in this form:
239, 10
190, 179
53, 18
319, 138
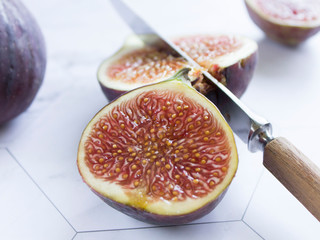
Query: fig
231, 59
22, 59
161, 153
289, 22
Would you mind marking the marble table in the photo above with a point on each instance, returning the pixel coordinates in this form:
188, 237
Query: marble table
42, 195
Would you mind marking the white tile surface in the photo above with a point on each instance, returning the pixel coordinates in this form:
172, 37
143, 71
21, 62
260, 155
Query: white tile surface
286, 84
25, 212
44, 139
280, 215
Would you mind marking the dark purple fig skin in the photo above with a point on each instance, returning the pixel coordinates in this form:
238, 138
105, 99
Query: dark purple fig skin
158, 219
287, 35
235, 77
239, 75
111, 94
22, 59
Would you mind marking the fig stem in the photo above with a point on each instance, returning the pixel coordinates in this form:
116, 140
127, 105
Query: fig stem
182, 75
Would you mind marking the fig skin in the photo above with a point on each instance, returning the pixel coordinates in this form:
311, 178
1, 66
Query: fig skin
284, 34
244, 70
236, 77
158, 219
22, 59
111, 94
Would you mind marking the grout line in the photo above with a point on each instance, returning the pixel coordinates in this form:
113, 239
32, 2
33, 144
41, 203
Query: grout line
37, 185
151, 227
254, 190
74, 236
252, 229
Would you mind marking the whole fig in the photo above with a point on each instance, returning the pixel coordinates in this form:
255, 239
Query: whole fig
22, 59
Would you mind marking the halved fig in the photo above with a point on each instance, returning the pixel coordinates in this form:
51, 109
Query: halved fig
231, 59
161, 153
287, 21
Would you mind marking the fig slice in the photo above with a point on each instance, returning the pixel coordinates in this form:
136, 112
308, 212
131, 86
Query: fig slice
231, 59
290, 22
161, 153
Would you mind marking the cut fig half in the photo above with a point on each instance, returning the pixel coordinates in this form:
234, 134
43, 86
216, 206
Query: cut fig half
231, 59
161, 153
290, 22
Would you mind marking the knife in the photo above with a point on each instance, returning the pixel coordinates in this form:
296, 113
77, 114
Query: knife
290, 166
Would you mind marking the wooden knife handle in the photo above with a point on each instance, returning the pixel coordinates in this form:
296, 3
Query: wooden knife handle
295, 171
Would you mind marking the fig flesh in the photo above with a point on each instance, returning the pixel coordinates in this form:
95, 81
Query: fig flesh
161, 153
231, 59
289, 22
22, 59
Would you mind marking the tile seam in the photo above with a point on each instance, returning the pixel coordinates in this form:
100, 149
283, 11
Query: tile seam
252, 229
40, 189
252, 194
151, 227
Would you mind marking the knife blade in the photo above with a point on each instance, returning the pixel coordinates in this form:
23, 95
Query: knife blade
292, 168
248, 126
